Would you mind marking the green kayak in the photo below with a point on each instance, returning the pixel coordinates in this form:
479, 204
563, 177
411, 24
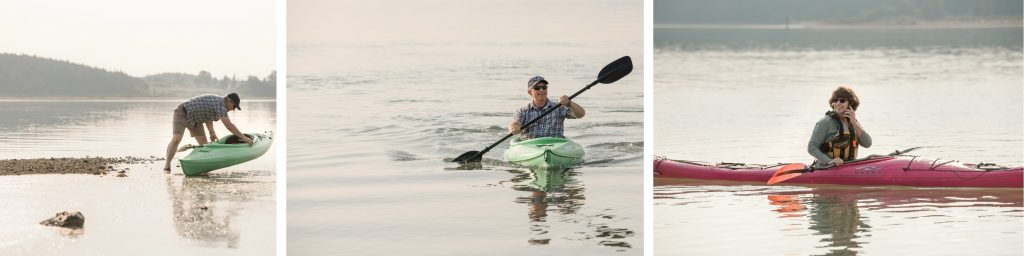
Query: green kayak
224, 152
545, 152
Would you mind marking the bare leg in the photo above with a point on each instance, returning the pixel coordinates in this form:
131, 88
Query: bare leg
171, 149
200, 140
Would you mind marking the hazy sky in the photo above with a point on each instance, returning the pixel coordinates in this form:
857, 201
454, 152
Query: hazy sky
326, 36
470, 21
225, 37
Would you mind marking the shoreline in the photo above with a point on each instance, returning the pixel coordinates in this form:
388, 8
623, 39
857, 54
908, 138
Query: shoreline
126, 99
859, 24
71, 165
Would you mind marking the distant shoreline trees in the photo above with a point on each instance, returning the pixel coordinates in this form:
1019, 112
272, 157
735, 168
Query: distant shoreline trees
31, 76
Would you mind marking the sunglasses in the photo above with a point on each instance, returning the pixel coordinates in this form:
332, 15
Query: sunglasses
539, 87
840, 100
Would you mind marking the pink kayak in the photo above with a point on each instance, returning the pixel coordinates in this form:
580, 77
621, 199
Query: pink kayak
871, 171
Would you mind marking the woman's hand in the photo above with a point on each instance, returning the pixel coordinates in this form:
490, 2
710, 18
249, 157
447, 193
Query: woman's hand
836, 161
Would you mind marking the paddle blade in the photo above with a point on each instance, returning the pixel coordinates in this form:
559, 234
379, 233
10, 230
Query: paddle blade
468, 157
788, 171
615, 70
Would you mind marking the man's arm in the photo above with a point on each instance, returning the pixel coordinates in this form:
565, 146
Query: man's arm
575, 110
234, 130
213, 134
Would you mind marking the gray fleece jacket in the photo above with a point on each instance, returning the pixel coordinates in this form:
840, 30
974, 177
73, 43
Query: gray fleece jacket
827, 128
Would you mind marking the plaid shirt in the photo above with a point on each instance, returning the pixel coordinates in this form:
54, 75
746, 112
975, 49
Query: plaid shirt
550, 125
204, 108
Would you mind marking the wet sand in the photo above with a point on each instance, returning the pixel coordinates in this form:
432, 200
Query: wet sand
71, 165
228, 212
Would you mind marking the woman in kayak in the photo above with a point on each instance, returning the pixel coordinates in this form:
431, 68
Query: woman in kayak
838, 134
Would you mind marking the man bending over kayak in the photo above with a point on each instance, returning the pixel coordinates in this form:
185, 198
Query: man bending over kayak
550, 125
199, 111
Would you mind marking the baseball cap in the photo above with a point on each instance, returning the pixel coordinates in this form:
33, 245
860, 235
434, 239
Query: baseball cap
535, 80
238, 101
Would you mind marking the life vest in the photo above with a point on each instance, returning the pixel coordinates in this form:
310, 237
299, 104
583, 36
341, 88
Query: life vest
844, 145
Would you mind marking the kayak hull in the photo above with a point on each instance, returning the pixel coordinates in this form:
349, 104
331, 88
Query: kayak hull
544, 152
222, 153
872, 171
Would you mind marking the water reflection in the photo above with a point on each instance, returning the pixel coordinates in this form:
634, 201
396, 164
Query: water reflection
204, 206
559, 188
73, 233
836, 216
546, 188
19, 116
27, 127
837, 212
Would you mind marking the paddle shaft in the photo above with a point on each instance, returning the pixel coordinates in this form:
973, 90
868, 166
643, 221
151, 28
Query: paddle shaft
609, 74
535, 119
811, 168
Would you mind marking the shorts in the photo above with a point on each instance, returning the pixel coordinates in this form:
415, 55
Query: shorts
181, 122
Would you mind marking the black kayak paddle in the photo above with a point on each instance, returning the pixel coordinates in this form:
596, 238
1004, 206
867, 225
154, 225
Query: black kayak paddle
609, 74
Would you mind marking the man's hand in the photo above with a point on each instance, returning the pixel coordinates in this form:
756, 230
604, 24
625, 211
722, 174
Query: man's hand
513, 128
564, 101
247, 140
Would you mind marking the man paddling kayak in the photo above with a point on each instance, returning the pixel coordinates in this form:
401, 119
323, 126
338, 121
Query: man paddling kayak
550, 125
202, 110
837, 135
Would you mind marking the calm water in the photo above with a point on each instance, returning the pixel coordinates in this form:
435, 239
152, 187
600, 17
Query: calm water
757, 101
373, 118
231, 212
700, 219
370, 177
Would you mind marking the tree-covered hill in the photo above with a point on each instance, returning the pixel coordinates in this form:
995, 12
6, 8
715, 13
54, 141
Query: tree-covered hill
24, 75
33, 77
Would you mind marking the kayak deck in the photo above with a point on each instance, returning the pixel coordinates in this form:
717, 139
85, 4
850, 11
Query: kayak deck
544, 152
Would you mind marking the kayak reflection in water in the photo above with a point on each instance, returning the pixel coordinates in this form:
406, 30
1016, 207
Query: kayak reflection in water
550, 125
831, 213
838, 134
547, 187
202, 110
557, 191
194, 205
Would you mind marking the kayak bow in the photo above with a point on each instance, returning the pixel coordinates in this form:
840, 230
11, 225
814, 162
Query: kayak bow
544, 152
